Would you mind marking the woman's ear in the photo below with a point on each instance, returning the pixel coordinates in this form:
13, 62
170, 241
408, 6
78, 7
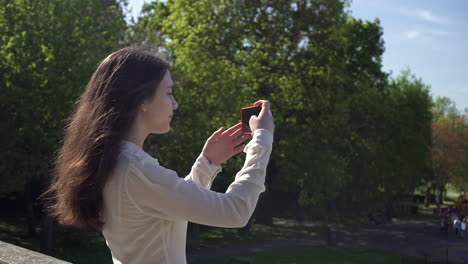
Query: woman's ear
142, 107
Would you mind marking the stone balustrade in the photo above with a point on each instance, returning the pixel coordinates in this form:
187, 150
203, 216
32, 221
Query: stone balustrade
11, 254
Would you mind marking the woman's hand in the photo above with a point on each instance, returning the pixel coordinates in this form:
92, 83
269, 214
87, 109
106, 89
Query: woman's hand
264, 120
222, 145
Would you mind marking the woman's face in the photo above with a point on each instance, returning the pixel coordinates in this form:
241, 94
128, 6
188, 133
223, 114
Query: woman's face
159, 109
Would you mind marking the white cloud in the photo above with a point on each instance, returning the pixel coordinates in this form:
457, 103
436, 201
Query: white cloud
428, 16
414, 34
459, 88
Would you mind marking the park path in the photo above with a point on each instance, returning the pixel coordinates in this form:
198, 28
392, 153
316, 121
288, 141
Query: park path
412, 238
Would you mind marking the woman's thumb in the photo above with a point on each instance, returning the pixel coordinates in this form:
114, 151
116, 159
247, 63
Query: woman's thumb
253, 117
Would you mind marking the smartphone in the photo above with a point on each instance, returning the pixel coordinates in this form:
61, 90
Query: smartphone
246, 113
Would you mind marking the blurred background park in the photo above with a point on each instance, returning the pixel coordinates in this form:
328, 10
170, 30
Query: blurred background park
364, 153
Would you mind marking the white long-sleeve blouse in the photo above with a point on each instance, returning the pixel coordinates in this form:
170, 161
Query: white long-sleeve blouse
146, 206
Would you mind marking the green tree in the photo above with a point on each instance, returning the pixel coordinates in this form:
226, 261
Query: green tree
449, 149
412, 137
449, 154
48, 50
309, 58
444, 108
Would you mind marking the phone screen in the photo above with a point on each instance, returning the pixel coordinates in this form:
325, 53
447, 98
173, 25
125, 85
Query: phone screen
245, 116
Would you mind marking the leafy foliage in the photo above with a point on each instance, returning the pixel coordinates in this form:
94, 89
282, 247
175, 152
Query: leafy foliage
48, 50
450, 151
347, 136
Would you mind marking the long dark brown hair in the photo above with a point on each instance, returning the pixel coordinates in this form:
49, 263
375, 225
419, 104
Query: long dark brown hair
102, 116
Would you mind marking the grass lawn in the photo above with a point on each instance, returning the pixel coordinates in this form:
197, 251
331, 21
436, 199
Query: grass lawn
452, 192
226, 237
85, 246
82, 246
72, 245
323, 255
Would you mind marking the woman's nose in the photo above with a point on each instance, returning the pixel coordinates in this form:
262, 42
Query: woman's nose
175, 105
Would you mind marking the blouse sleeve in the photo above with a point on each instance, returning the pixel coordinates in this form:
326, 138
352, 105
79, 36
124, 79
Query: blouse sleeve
159, 192
203, 172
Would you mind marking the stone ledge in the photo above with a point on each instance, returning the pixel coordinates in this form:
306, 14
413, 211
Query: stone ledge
11, 254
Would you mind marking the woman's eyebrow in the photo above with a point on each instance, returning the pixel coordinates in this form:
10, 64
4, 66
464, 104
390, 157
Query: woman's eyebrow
170, 86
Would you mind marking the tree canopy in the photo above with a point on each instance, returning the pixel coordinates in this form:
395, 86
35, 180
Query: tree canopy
48, 51
350, 138
346, 134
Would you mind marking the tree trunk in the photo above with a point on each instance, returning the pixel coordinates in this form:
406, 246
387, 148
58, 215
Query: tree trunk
194, 231
434, 194
427, 198
440, 194
30, 216
264, 210
264, 214
246, 229
47, 234
389, 211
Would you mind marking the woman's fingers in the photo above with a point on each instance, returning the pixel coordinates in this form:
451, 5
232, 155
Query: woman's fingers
216, 135
240, 140
232, 129
238, 149
265, 108
259, 102
230, 135
236, 133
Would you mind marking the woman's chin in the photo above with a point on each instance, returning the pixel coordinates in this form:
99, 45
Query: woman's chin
163, 131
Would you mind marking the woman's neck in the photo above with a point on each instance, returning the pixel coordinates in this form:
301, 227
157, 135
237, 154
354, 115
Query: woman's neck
137, 134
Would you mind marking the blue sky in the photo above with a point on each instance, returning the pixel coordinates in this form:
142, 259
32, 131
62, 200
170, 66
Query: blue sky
430, 37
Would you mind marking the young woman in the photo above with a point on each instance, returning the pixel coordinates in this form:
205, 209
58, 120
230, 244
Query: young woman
105, 180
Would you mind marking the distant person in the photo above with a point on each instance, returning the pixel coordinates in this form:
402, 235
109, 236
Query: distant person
456, 225
463, 227
453, 218
104, 179
438, 210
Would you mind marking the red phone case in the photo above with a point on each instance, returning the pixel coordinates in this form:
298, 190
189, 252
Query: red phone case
245, 129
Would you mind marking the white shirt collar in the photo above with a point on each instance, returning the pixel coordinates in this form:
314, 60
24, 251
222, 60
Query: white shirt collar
132, 148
